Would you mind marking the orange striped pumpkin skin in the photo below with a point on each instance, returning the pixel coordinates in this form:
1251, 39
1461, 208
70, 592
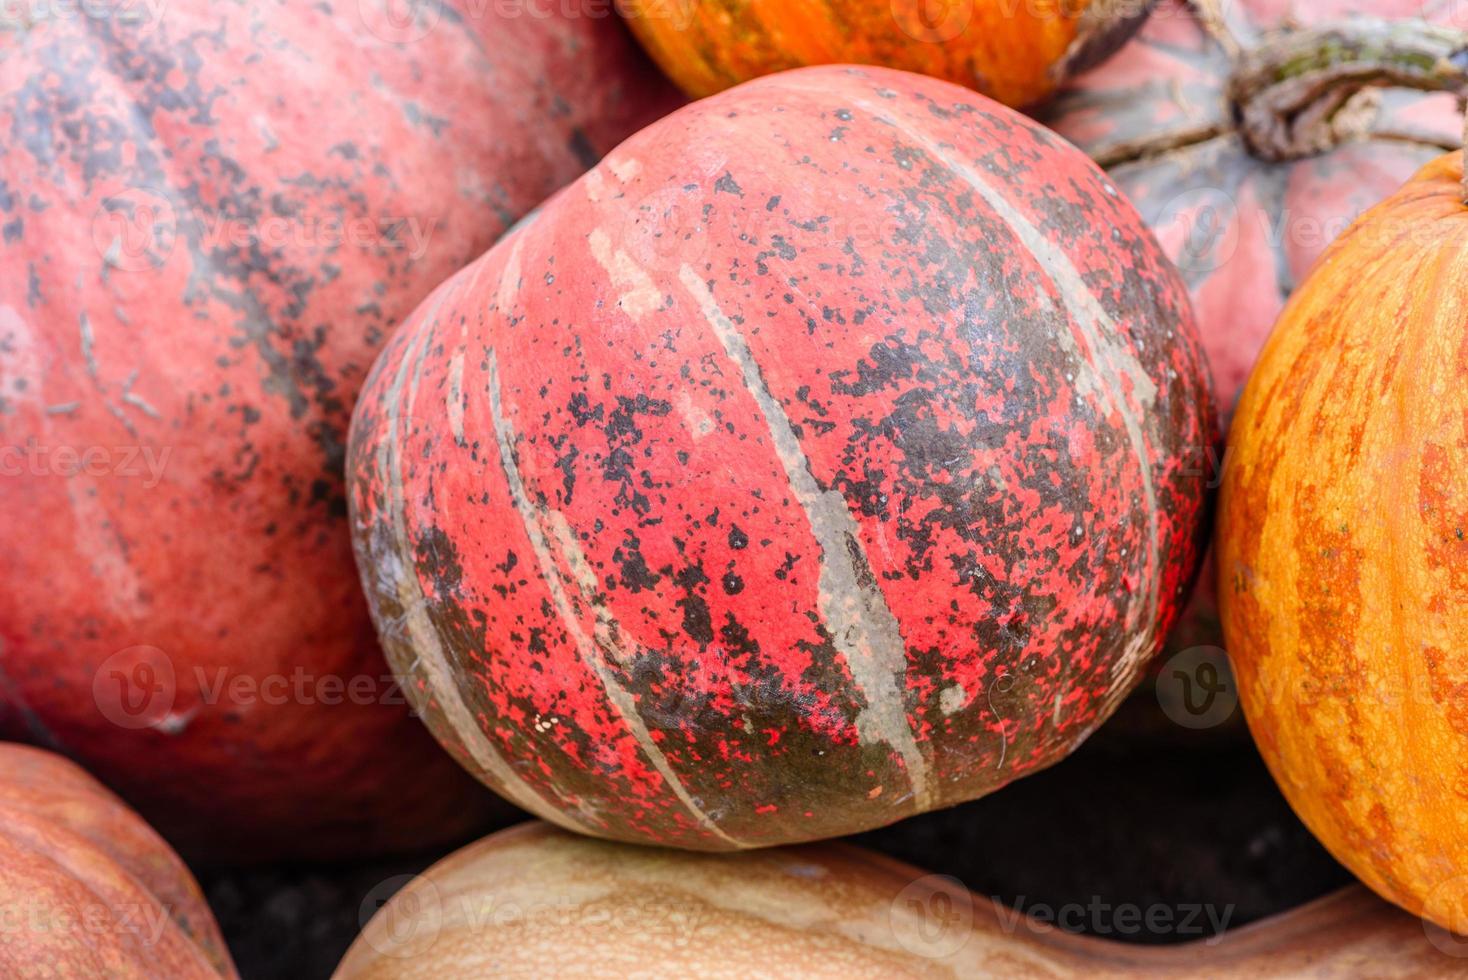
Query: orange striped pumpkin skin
1343, 548
1015, 52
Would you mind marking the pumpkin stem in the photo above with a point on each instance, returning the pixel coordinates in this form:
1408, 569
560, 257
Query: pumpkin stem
1211, 15
1301, 92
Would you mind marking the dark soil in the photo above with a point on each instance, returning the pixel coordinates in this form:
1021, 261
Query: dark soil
1190, 822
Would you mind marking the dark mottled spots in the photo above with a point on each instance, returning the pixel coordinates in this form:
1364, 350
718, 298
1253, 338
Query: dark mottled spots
580, 144
728, 185
697, 622
632, 568
438, 559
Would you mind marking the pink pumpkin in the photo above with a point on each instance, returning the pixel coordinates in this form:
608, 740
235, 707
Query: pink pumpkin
1242, 227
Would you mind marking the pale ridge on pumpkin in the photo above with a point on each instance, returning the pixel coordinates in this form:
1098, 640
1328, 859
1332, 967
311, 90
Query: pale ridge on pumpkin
593, 650
852, 603
425, 646
1096, 326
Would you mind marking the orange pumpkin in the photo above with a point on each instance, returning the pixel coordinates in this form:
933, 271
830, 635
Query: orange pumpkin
1343, 548
534, 901
87, 889
1015, 52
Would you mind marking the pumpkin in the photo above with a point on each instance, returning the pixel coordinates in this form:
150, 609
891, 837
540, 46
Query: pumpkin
1246, 172
1342, 551
1016, 53
534, 900
817, 459
89, 889
211, 223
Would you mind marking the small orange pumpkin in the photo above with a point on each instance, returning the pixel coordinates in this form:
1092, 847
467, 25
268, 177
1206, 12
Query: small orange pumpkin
87, 889
1343, 548
1018, 53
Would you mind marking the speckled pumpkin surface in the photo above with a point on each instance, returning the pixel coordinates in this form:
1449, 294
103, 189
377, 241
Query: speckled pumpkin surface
1017, 53
1164, 116
87, 889
1342, 551
817, 459
209, 223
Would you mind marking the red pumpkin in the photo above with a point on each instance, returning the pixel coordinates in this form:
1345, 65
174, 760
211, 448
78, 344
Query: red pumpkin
1245, 208
211, 223
89, 889
816, 460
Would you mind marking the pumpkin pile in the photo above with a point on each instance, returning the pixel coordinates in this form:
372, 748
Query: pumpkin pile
391, 396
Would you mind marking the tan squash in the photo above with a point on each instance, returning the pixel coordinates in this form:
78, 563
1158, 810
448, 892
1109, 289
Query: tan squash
535, 901
87, 889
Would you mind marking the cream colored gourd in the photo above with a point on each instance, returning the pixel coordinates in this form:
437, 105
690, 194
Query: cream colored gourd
534, 901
